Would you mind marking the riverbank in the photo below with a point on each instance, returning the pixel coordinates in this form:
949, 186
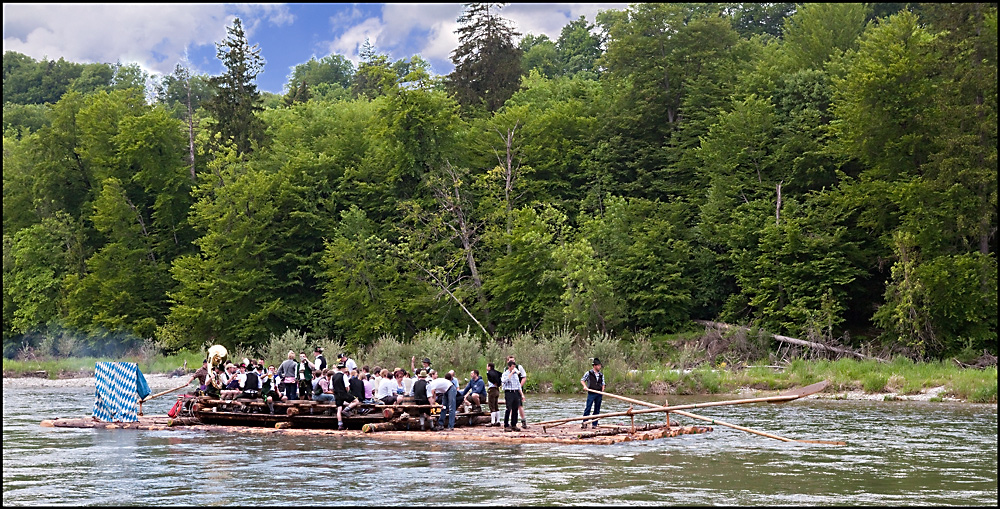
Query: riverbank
159, 382
556, 368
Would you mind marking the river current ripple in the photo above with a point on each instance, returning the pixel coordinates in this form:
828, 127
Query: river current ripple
897, 453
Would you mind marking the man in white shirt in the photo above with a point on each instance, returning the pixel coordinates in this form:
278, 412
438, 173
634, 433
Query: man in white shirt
351, 365
513, 395
386, 392
523, 377
443, 391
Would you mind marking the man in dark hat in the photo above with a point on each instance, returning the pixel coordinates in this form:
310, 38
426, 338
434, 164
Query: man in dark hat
426, 364
593, 380
341, 383
320, 360
347, 361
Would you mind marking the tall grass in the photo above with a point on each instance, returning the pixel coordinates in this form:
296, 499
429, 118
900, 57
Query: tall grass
555, 362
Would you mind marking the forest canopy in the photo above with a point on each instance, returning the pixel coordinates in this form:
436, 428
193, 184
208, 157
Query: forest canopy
825, 171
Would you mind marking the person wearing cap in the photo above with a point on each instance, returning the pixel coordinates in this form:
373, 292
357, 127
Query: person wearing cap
426, 364
318, 359
349, 362
342, 393
231, 389
593, 380
420, 396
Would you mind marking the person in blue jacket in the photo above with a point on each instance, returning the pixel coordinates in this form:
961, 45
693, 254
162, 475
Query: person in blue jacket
475, 391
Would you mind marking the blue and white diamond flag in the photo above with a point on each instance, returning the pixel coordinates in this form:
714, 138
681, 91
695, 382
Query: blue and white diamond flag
120, 386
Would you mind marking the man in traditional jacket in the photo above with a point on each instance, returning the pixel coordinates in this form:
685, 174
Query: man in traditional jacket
593, 380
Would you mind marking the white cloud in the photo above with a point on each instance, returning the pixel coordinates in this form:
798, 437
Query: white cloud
404, 30
255, 15
109, 33
438, 21
350, 42
549, 19
156, 36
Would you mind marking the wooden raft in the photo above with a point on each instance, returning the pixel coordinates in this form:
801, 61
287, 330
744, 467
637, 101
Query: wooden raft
477, 433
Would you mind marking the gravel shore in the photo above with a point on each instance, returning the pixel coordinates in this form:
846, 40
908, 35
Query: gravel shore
156, 382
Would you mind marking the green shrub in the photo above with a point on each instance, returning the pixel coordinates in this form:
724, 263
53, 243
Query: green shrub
874, 382
984, 393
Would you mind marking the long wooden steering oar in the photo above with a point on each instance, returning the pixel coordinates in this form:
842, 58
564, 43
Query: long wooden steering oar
720, 423
164, 392
788, 396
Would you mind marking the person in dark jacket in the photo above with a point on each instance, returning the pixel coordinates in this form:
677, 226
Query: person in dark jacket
319, 360
341, 383
493, 393
594, 381
420, 396
357, 387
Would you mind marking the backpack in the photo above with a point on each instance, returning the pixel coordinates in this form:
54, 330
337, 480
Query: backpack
176, 409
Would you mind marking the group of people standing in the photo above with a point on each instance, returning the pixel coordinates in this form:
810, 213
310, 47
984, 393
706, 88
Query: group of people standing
348, 386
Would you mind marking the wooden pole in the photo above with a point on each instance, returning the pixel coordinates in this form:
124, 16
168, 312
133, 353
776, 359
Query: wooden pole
792, 395
741, 428
721, 423
761, 433
668, 409
164, 392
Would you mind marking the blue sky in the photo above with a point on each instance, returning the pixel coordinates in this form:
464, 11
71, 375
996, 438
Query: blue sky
157, 36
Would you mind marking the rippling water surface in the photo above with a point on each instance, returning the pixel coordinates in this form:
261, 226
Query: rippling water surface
898, 453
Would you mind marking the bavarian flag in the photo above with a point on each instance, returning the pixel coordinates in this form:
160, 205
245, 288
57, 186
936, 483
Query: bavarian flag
119, 387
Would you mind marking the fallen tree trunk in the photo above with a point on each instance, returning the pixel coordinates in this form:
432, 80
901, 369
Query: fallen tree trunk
794, 341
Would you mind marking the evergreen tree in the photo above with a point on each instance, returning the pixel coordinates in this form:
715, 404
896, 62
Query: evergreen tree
237, 100
375, 76
487, 62
578, 48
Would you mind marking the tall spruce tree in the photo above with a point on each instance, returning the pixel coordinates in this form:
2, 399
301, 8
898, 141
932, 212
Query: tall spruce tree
237, 100
487, 62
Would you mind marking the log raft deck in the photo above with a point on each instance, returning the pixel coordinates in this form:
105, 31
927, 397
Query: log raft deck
394, 424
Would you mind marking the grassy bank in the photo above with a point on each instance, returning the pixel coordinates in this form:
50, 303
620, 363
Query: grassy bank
555, 363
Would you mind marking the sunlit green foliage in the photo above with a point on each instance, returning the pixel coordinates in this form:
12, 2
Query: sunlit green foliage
826, 171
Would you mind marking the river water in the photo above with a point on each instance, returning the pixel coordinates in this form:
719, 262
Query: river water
897, 453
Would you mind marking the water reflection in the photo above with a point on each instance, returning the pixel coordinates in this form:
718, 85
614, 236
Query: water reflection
897, 453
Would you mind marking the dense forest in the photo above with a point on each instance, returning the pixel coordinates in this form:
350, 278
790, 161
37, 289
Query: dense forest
826, 171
